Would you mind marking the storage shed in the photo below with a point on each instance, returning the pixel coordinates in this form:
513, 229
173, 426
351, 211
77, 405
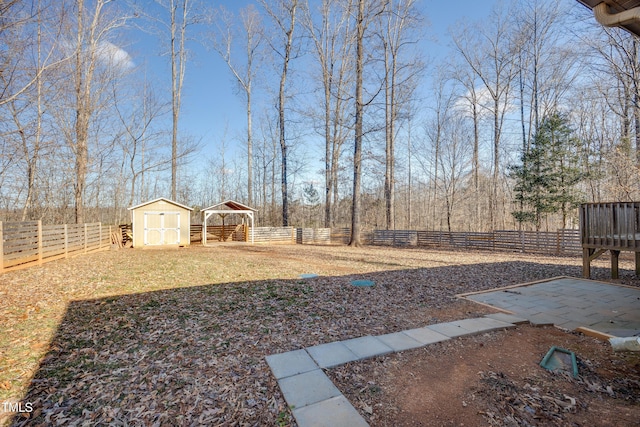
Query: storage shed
160, 222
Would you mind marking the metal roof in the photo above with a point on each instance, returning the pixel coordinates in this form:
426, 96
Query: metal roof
617, 6
231, 205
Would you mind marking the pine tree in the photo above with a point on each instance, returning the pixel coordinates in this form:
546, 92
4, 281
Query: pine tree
546, 181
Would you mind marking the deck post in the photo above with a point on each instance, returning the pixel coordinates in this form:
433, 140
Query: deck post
637, 264
614, 263
586, 263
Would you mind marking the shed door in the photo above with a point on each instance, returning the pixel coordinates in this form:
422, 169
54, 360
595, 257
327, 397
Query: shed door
161, 228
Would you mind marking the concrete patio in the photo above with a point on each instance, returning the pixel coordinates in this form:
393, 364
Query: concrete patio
570, 303
565, 302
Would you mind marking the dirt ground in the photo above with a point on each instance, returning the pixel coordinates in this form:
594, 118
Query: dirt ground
179, 337
495, 379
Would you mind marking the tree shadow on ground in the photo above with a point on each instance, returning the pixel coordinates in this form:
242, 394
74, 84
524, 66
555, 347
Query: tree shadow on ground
195, 355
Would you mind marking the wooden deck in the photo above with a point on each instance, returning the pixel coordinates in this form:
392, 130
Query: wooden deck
612, 227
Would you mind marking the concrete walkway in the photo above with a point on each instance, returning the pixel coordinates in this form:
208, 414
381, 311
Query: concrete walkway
315, 401
571, 303
565, 302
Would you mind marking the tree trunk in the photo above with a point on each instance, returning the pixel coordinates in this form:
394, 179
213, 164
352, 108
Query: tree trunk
327, 153
357, 153
281, 114
178, 65
249, 150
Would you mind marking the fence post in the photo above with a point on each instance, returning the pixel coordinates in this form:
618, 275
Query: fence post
39, 242
85, 237
1, 249
66, 241
100, 237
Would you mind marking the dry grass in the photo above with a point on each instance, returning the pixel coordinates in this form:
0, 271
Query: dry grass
179, 336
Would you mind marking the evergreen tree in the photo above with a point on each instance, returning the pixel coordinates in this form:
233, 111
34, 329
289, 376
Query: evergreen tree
546, 181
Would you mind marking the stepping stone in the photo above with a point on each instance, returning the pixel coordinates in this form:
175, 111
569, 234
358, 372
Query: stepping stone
400, 341
426, 336
450, 329
488, 324
331, 354
333, 412
509, 318
290, 363
365, 347
308, 388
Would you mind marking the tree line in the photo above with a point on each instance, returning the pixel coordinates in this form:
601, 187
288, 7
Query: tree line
351, 120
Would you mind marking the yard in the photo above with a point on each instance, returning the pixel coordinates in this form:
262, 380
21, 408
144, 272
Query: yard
166, 337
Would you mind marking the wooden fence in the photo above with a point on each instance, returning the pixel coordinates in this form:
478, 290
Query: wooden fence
23, 244
342, 236
274, 234
314, 236
561, 242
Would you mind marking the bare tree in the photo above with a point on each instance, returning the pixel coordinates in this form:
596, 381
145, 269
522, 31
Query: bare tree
243, 70
429, 150
454, 162
91, 51
178, 29
284, 15
361, 26
488, 50
333, 44
138, 114
174, 27
621, 55
397, 35
468, 80
15, 16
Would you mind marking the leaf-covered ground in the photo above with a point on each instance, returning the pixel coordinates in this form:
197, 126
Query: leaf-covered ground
494, 379
178, 337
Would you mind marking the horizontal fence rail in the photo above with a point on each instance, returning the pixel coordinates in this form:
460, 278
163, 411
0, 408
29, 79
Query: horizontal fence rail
273, 234
561, 242
27, 243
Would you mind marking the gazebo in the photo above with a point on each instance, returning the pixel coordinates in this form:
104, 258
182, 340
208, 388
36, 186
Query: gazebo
226, 208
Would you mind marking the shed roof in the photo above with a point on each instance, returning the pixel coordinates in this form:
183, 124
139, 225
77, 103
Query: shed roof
619, 13
230, 205
160, 199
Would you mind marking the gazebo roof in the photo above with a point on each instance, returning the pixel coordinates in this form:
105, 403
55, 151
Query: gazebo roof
230, 205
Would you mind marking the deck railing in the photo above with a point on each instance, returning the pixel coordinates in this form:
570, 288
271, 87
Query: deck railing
611, 225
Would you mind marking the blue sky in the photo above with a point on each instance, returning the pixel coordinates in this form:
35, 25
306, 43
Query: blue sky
211, 109
209, 102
